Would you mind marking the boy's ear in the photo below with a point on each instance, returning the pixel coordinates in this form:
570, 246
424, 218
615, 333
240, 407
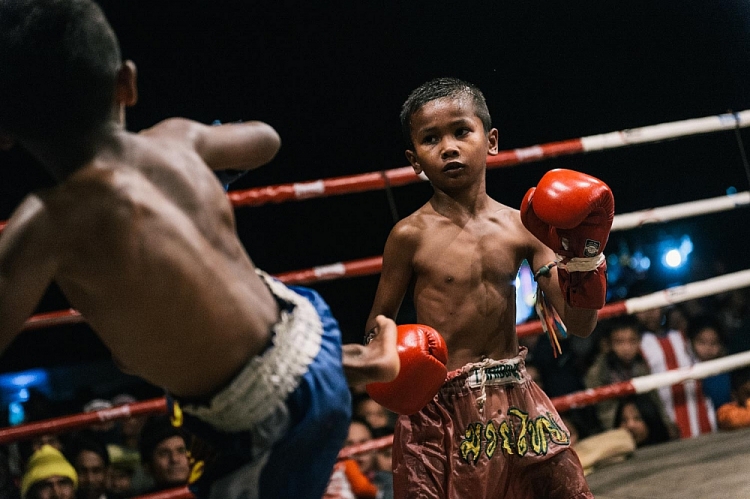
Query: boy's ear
412, 157
126, 93
492, 140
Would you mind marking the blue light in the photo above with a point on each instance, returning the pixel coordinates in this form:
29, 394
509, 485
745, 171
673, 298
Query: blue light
525, 293
675, 256
16, 414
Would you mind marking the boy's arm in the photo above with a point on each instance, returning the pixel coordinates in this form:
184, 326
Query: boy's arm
378, 360
27, 267
237, 146
578, 321
395, 274
571, 213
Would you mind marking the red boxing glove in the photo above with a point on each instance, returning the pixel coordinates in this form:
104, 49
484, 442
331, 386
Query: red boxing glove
572, 213
423, 355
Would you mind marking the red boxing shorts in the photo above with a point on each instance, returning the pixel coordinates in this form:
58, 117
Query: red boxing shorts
490, 432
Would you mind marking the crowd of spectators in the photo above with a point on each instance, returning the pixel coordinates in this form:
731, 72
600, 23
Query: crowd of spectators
143, 454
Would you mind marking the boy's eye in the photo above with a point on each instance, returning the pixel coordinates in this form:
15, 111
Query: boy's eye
462, 131
429, 139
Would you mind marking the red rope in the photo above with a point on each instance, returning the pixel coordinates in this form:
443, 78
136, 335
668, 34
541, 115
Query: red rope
83, 420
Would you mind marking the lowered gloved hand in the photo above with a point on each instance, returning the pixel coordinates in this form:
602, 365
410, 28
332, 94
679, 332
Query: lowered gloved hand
423, 356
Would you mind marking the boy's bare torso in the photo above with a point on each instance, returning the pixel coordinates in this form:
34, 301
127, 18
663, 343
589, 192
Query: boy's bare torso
144, 244
464, 270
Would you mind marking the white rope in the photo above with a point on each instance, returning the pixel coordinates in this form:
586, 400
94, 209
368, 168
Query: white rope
682, 210
698, 289
700, 370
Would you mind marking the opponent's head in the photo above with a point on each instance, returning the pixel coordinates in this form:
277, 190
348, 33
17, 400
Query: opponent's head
60, 64
441, 88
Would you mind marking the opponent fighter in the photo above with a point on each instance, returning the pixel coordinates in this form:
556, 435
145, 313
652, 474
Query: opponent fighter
490, 432
140, 237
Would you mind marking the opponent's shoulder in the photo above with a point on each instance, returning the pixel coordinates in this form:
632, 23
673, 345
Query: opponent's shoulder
177, 129
29, 222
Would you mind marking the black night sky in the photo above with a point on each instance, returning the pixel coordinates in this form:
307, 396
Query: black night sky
331, 77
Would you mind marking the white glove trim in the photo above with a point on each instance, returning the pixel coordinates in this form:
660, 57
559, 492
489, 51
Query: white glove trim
581, 264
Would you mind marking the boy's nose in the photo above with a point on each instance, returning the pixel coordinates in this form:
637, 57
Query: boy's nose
449, 149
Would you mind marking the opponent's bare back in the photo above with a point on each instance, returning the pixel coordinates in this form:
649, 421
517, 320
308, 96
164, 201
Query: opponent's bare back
141, 240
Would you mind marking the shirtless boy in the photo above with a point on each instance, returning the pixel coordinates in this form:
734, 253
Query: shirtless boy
140, 237
490, 432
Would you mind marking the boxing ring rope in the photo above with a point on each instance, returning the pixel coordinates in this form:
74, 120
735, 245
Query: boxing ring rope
395, 177
405, 175
659, 299
82, 420
669, 296
373, 265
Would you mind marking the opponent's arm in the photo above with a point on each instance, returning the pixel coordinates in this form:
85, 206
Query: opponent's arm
27, 267
236, 146
572, 213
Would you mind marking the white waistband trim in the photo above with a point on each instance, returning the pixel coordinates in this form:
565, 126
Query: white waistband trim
267, 380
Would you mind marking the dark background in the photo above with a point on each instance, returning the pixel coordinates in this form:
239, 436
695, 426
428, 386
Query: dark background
331, 78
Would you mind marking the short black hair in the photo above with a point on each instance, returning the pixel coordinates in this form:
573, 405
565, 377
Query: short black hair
59, 61
440, 88
622, 322
86, 441
739, 377
156, 430
650, 413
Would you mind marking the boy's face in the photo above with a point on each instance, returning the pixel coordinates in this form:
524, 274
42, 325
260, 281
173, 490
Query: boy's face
625, 344
450, 143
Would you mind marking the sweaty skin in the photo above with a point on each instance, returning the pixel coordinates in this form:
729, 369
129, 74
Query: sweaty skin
141, 240
140, 237
462, 249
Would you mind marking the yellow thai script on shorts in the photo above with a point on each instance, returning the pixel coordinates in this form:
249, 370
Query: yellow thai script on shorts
516, 434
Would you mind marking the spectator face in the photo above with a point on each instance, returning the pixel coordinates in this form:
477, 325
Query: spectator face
169, 465
131, 427
625, 344
634, 423
91, 474
119, 480
384, 460
55, 487
707, 344
743, 394
359, 434
374, 413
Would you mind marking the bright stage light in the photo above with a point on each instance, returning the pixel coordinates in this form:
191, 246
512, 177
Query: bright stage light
672, 258
675, 256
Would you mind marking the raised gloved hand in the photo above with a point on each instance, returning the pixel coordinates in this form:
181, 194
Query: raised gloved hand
423, 356
572, 213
